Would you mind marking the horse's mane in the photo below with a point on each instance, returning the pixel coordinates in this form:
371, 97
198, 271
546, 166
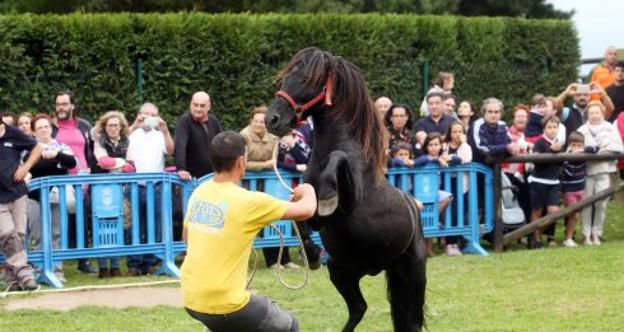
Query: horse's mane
351, 101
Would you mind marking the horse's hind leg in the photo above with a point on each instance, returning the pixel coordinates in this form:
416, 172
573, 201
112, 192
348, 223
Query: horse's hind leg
406, 289
347, 282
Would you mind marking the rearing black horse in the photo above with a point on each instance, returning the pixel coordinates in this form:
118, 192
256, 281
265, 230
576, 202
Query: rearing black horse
366, 224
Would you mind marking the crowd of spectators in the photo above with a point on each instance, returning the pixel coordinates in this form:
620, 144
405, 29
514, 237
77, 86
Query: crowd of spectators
446, 130
592, 123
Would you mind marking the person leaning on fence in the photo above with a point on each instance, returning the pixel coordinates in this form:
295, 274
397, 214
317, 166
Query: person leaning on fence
488, 135
56, 159
432, 153
573, 176
544, 182
220, 225
516, 172
74, 131
13, 203
149, 143
605, 136
110, 136
193, 134
261, 146
456, 147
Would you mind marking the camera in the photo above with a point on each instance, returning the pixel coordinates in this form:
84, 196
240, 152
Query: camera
150, 122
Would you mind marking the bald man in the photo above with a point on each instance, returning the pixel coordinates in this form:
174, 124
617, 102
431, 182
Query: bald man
604, 73
193, 134
382, 104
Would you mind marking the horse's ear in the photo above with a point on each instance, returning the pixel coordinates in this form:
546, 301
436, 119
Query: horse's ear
329, 89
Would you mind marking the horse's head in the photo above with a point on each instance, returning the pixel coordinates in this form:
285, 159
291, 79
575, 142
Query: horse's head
306, 87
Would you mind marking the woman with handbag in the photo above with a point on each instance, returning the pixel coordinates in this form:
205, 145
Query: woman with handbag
110, 136
56, 159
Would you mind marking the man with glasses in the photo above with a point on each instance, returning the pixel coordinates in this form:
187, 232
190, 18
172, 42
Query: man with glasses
75, 132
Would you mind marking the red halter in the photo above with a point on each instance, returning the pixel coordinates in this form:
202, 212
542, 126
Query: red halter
326, 94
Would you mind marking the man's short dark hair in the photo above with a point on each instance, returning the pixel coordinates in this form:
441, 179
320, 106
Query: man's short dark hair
225, 148
447, 96
72, 99
435, 94
620, 64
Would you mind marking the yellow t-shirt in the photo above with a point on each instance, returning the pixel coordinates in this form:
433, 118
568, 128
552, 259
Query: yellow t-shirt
222, 220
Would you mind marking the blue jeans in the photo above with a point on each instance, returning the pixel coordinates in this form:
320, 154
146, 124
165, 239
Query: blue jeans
103, 262
144, 262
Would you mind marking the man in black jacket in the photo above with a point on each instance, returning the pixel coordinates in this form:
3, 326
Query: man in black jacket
193, 134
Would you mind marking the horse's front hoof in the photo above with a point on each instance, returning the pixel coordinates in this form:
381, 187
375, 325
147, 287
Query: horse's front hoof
327, 206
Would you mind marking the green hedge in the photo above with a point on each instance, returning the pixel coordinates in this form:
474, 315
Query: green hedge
236, 56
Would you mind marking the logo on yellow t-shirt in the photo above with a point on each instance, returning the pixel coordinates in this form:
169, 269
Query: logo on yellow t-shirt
208, 214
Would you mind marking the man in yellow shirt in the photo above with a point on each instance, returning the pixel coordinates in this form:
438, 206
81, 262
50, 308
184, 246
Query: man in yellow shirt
220, 225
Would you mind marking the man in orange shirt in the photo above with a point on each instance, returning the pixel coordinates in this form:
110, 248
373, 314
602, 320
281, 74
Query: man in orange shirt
603, 73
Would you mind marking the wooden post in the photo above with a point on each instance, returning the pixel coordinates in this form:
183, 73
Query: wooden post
551, 218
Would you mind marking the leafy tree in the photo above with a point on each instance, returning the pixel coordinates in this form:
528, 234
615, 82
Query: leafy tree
514, 8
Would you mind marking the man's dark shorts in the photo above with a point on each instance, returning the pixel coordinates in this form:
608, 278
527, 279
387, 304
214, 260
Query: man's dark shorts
259, 315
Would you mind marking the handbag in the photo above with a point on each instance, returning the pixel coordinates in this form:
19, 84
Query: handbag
70, 197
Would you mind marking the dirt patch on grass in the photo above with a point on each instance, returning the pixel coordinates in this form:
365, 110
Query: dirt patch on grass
111, 298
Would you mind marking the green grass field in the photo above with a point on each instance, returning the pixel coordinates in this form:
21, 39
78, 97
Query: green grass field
559, 289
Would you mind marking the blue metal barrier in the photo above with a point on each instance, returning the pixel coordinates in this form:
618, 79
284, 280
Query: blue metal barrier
111, 195
461, 181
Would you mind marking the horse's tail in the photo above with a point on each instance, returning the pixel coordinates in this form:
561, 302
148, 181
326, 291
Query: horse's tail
407, 280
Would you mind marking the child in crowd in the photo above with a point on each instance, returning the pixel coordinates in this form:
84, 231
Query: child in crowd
456, 146
603, 135
534, 128
402, 155
294, 153
433, 154
544, 182
573, 182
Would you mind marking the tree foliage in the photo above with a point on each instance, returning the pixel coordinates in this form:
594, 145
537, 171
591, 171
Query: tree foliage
236, 56
513, 8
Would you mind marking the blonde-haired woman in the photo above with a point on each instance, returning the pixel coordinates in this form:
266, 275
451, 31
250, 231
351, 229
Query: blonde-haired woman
110, 136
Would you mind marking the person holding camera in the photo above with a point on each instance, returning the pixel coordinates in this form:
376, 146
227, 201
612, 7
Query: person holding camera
150, 142
575, 116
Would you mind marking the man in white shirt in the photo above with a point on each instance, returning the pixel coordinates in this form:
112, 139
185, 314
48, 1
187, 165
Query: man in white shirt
150, 142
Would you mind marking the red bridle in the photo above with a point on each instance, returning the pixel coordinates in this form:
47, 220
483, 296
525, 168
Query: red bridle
326, 94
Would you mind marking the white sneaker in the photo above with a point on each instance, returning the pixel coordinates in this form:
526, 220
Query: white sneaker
569, 243
588, 241
449, 250
291, 266
596, 239
276, 266
457, 250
